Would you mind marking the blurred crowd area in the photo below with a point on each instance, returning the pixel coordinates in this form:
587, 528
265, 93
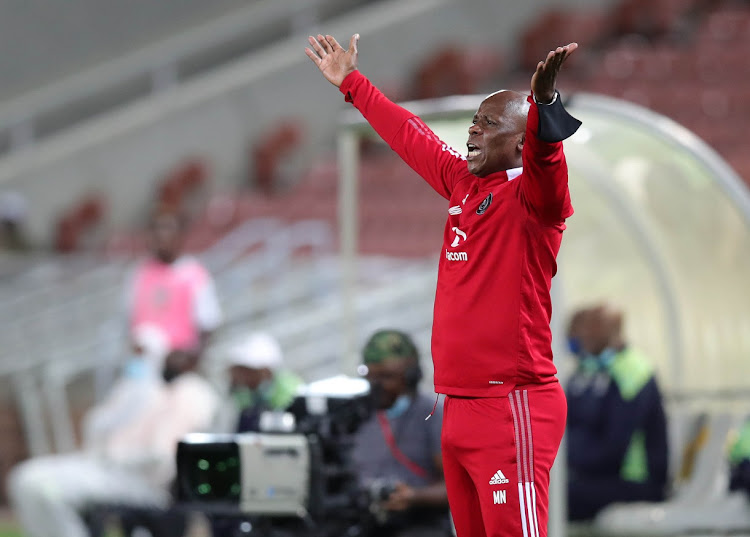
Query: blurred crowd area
65, 326
681, 58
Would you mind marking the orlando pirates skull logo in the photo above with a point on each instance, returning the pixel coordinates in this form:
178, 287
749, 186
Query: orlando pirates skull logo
486, 203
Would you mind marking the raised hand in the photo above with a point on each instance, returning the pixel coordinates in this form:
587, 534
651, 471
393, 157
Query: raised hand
332, 60
544, 79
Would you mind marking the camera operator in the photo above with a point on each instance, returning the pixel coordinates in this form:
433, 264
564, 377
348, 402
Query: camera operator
396, 451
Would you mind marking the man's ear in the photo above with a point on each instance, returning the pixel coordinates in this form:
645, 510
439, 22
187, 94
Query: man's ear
521, 140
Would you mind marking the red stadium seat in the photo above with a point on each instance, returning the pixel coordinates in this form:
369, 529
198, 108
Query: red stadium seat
721, 63
728, 24
181, 182
191, 174
652, 18
455, 71
559, 26
76, 221
265, 156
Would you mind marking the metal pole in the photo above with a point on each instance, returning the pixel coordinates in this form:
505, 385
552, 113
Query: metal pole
63, 434
32, 413
348, 157
558, 487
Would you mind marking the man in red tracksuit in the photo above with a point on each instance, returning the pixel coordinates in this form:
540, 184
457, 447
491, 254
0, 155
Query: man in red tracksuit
504, 412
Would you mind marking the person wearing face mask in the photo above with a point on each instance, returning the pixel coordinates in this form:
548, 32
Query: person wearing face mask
258, 382
173, 292
128, 456
617, 430
396, 451
140, 382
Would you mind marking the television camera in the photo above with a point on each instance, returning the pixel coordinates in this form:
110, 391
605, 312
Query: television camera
293, 478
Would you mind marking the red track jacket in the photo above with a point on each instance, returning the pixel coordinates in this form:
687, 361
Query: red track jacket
491, 327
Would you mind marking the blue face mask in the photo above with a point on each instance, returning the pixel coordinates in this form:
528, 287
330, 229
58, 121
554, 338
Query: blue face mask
599, 362
401, 405
137, 369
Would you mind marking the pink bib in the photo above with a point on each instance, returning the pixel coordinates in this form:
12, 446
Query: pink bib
165, 296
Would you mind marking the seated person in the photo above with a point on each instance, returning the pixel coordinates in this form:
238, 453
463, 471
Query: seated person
397, 447
616, 432
131, 464
139, 382
258, 382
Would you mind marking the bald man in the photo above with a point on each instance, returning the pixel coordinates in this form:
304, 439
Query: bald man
504, 411
617, 429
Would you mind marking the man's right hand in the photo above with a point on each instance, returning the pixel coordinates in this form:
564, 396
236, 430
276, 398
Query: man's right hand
333, 61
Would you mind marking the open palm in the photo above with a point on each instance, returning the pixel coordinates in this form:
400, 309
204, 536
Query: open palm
545, 77
331, 59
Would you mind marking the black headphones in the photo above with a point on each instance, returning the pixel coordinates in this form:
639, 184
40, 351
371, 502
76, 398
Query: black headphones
413, 371
413, 374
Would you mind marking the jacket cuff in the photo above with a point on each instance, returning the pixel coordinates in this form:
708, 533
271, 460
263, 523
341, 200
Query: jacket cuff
555, 123
349, 81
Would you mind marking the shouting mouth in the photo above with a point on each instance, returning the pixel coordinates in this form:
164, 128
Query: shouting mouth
473, 151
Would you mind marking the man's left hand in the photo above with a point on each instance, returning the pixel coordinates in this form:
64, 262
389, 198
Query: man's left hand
544, 80
400, 499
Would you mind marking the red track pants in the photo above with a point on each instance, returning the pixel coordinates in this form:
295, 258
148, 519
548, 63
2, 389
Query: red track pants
497, 455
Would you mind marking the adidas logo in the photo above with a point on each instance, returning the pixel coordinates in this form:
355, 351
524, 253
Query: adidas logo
498, 479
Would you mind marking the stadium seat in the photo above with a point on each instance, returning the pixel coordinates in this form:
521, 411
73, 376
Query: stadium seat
653, 18
265, 156
587, 28
729, 23
77, 221
702, 503
453, 70
687, 434
181, 182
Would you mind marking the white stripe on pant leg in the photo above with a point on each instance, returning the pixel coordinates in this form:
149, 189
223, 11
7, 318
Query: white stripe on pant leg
529, 434
522, 503
519, 462
533, 497
533, 531
523, 419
